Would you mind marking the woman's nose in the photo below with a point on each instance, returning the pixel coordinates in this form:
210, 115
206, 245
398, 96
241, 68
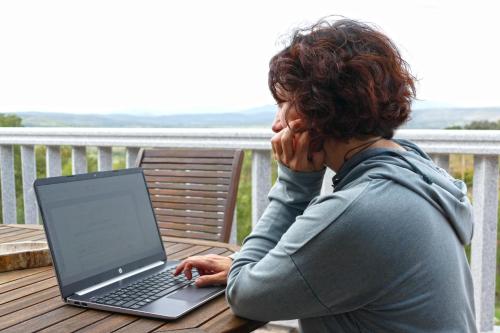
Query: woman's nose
277, 127
277, 124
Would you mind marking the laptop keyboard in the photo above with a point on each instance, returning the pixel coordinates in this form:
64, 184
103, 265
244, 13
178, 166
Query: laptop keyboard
138, 294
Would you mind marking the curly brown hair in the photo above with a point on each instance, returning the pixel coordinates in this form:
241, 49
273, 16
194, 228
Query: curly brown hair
345, 78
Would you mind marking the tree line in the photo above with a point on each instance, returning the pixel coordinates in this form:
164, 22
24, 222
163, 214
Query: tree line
479, 125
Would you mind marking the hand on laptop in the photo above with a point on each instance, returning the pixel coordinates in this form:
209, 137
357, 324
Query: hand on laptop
213, 269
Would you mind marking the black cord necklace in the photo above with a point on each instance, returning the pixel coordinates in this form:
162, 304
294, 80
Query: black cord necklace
363, 146
337, 178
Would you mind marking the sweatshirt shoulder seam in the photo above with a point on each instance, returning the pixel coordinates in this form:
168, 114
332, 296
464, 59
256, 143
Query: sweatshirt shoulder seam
345, 211
308, 285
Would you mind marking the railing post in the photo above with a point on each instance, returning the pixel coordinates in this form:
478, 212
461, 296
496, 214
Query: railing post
8, 185
233, 237
131, 156
104, 158
441, 160
29, 175
53, 161
484, 242
261, 182
327, 181
79, 159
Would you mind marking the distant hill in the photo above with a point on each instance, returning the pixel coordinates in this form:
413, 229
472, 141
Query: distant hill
446, 117
256, 117
236, 119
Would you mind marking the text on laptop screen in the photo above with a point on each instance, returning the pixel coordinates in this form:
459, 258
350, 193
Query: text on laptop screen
99, 224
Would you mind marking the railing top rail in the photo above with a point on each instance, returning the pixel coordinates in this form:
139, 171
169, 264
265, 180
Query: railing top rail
433, 141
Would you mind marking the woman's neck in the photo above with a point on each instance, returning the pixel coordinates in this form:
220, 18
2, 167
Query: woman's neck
338, 152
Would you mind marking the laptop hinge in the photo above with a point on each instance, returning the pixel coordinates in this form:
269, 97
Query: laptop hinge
118, 278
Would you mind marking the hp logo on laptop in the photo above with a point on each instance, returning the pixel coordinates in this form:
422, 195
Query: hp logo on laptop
120, 270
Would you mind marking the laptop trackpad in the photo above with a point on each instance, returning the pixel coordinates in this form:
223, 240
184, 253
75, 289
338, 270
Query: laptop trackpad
194, 294
174, 305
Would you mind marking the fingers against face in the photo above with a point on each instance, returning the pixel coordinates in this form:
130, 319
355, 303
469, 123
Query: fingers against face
291, 146
285, 114
276, 145
287, 145
302, 151
284, 142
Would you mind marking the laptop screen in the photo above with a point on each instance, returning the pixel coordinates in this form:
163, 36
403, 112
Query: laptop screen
98, 224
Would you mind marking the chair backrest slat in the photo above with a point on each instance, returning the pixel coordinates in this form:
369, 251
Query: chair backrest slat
189, 193
190, 220
188, 173
178, 160
191, 234
193, 191
193, 227
186, 180
202, 187
182, 198
188, 207
177, 212
182, 166
212, 154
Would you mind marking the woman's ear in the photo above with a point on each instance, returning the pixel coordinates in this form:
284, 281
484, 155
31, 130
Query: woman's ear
317, 141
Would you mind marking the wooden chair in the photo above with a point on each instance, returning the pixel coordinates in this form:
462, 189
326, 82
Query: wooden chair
193, 191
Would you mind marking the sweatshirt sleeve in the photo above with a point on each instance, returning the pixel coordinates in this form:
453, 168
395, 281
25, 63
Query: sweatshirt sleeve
262, 264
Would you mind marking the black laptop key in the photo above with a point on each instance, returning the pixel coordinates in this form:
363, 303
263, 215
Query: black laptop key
129, 303
166, 291
169, 290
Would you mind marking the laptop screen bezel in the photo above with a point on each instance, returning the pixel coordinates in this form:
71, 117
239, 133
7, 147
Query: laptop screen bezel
70, 289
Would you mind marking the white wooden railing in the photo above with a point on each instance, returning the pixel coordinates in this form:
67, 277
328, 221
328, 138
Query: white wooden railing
483, 145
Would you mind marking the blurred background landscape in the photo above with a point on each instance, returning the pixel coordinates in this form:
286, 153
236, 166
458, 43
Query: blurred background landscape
424, 115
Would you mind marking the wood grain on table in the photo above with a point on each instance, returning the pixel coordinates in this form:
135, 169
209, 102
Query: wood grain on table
30, 299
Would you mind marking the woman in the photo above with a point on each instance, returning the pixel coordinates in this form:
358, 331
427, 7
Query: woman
385, 251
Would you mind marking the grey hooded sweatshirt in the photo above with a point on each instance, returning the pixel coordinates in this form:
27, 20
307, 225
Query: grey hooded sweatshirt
383, 253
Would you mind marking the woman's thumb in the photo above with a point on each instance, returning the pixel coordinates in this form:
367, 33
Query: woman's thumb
208, 280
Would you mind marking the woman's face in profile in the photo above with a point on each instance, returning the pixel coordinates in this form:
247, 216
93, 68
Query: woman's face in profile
285, 113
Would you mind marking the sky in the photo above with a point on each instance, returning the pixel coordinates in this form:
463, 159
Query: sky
166, 57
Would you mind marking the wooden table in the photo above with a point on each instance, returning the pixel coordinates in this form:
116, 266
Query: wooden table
30, 299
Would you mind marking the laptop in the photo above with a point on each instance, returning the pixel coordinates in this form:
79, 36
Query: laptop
106, 247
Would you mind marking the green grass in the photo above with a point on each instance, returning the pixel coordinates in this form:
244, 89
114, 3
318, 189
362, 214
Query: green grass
244, 199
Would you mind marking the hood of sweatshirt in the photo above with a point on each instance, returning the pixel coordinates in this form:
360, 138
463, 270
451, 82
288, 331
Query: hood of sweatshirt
414, 170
